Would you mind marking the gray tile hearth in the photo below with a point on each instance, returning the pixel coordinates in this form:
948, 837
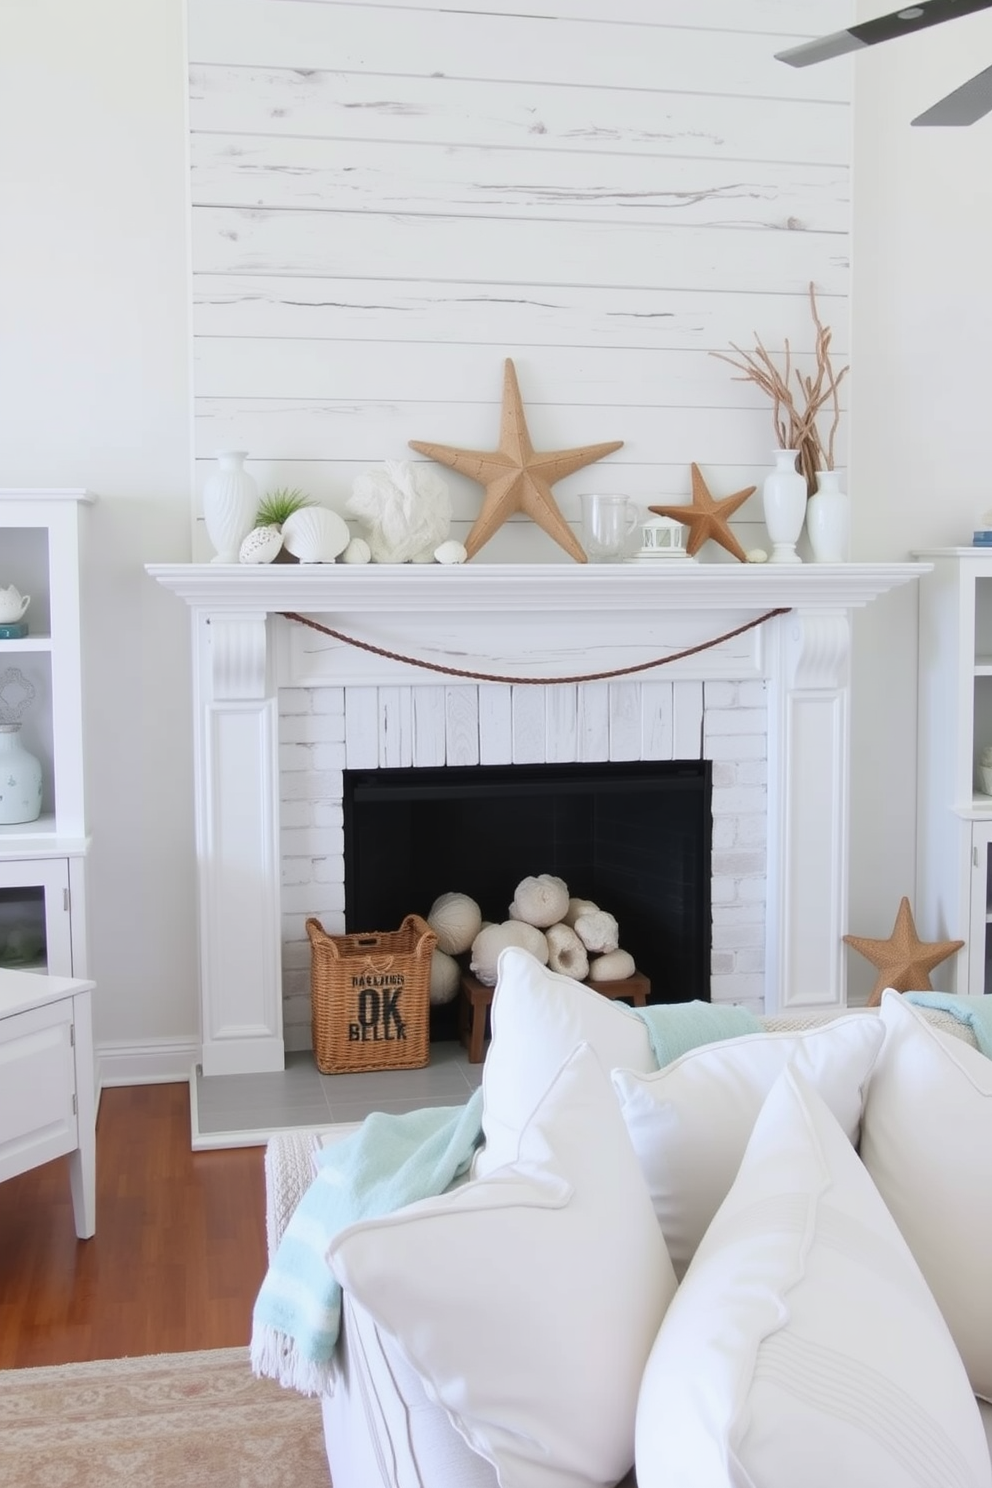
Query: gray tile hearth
244, 1110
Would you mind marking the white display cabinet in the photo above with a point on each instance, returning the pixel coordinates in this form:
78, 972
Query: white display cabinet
954, 836
42, 879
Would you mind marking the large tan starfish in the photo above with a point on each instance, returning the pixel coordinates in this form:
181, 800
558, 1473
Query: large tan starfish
517, 478
708, 518
904, 961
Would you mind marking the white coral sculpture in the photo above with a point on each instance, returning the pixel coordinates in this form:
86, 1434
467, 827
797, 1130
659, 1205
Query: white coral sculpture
405, 510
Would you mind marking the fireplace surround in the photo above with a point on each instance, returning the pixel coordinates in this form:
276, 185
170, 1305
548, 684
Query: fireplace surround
281, 710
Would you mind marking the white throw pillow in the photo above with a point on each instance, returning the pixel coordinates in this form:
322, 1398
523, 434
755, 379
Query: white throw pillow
690, 1121
803, 1346
538, 1018
927, 1143
528, 1300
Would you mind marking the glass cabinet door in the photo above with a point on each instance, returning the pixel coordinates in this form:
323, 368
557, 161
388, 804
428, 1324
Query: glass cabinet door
34, 916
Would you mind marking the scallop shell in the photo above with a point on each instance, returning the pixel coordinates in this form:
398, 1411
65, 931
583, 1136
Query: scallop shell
261, 545
357, 551
315, 534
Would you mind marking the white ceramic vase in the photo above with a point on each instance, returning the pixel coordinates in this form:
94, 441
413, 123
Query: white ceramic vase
828, 519
230, 501
783, 496
20, 778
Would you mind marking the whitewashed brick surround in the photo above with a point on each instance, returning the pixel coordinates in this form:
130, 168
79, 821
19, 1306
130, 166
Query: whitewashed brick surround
324, 730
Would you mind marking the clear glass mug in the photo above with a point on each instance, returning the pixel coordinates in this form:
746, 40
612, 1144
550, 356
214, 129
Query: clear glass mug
607, 523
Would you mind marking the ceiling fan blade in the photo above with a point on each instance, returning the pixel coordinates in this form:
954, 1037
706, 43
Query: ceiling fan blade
973, 100
883, 28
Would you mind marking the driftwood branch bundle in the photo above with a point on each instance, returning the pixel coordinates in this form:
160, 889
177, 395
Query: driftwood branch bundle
797, 400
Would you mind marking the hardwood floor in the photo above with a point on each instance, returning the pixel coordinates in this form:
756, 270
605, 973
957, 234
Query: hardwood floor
179, 1250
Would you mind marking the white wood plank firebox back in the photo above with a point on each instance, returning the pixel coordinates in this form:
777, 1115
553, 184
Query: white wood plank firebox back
769, 707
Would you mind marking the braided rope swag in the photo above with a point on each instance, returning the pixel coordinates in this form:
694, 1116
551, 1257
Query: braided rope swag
394, 1160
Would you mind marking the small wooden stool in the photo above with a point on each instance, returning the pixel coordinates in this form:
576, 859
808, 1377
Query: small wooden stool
476, 997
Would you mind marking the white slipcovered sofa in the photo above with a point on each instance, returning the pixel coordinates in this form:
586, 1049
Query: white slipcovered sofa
689, 1265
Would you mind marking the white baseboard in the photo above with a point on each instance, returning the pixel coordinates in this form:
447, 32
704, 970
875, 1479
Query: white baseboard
152, 1062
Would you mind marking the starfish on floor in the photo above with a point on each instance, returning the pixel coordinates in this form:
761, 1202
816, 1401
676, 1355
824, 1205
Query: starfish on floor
904, 961
515, 476
707, 517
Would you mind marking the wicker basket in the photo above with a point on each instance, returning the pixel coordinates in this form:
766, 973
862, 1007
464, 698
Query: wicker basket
370, 997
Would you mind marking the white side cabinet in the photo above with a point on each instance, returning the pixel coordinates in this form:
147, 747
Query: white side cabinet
47, 1083
42, 863
954, 838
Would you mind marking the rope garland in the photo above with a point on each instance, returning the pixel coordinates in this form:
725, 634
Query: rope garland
450, 671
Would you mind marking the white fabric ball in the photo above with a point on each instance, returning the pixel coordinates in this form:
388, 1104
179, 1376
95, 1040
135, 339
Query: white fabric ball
615, 967
456, 920
540, 901
566, 953
445, 977
489, 942
598, 932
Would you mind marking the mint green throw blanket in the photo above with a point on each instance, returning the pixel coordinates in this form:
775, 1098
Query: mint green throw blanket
975, 1011
391, 1161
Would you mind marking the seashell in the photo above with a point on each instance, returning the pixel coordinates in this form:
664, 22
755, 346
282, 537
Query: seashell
357, 551
757, 555
260, 546
315, 534
451, 552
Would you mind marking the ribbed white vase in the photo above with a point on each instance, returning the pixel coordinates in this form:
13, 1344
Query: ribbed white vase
828, 519
783, 497
230, 501
20, 778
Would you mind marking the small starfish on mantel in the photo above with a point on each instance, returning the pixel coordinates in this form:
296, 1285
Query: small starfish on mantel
904, 961
708, 518
516, 477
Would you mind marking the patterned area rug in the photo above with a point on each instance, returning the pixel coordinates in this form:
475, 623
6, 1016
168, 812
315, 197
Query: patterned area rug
163, 1421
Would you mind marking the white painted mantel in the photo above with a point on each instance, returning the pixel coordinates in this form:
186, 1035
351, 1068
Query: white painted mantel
515, 621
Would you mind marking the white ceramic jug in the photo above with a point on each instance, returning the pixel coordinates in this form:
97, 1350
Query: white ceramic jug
12, 605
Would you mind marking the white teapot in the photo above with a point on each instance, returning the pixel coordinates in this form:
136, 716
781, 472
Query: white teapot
12, 605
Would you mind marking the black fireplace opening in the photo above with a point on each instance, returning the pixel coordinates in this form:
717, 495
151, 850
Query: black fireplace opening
633, 837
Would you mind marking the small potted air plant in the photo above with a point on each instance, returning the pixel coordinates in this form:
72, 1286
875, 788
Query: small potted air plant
264, 543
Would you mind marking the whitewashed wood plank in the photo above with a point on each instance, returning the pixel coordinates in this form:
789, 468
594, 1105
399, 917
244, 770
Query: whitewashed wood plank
461, 706
353, 372
495, 725
392, 311
687, 735
536, 49
656, 720
593, 721
815, 16
562, 724
304, 429
229, 240
395, 728
428, 726
625, 720
361, 728
363, 176
528, 724
536, 117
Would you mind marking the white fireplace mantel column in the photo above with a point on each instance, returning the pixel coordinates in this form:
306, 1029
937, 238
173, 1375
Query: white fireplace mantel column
552, 620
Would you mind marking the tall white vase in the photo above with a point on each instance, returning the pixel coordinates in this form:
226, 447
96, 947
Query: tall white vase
783, 496
20, 778
230, 501
828, 519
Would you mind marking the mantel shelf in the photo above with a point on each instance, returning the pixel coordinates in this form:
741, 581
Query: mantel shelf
536, 588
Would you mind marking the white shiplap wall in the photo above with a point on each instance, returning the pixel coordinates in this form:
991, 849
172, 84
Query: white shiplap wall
390, 199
